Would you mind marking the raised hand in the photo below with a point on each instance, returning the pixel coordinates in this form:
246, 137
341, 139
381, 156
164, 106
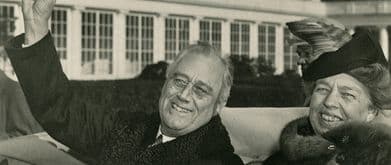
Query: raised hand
36, 14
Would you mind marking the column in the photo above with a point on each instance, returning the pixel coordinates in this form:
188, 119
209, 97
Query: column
66, 63
74, 35
279, 58
159, 38
253, 40
19, 25
194, 30
226, 37
384, 40
119, 41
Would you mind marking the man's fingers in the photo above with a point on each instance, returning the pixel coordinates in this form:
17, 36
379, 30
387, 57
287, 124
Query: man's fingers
45, 3
44, 7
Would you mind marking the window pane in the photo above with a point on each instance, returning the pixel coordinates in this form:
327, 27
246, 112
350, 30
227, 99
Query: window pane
132, 44
204, 31
59, 31
216, 34
170, 39
104, 62
235, 41
176, 36
89, 42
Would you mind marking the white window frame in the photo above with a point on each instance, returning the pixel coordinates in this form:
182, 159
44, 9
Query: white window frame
289, 52
240, 42
170, 55
98, 49
62, 50
11, 17
209, 32
141, 61
267, 54
5, 64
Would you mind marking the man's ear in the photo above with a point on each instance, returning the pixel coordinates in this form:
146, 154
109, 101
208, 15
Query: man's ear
372, 112
218, 108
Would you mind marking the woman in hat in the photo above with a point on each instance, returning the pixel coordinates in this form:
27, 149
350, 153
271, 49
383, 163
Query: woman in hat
347, 82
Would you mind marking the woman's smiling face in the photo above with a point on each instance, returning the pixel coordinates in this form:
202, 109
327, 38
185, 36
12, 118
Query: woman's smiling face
338, 99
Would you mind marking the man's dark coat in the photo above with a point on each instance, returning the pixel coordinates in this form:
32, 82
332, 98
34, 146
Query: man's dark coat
98, 134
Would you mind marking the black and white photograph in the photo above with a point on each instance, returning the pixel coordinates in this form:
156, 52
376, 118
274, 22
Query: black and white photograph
195, 82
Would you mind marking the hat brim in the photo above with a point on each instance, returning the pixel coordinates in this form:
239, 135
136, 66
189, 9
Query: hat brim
360, 51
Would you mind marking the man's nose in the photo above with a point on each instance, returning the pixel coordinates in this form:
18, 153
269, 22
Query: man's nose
184, 95
331, 100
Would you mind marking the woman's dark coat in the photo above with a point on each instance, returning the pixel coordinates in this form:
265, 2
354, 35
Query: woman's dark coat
349, 144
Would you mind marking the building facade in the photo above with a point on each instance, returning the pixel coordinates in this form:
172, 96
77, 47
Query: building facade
98, 39
373, 15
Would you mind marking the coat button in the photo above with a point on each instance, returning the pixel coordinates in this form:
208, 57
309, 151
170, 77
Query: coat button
340, 158
345, 139
331, 147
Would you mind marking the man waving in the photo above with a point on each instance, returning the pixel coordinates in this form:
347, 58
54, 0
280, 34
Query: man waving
186, 130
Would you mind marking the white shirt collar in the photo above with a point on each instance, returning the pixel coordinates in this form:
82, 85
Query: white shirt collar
165, 138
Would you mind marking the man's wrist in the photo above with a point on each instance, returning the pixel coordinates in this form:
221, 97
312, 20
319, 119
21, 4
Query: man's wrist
35, 31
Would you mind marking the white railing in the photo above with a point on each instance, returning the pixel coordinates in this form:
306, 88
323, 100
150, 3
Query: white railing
359, 8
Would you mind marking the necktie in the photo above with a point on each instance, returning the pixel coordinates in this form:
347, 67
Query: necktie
158, 140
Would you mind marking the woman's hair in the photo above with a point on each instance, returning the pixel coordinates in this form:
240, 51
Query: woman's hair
375, 77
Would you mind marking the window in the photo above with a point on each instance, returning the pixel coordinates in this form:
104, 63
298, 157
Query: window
7, 26
176, 35
7, 22
240, 39
267, 42
97, 42
210, 31
290, 55
139, 42
59, 31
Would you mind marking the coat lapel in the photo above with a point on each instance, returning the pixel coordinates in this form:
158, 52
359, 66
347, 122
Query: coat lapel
208, 140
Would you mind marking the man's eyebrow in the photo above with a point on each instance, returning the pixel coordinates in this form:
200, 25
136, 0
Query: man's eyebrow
350, 88
209, 88
179, 74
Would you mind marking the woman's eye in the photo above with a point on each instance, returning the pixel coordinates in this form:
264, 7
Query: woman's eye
348, 95
321, 90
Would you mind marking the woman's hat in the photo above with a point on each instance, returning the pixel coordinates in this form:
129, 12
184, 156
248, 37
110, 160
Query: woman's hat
334, 50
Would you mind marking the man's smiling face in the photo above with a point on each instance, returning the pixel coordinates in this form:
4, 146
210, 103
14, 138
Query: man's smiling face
190, 95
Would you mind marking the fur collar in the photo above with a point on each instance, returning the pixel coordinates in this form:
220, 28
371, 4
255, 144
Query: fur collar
131, 144
298, 142
352, 143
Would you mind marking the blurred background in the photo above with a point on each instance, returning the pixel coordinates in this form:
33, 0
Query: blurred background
117, 51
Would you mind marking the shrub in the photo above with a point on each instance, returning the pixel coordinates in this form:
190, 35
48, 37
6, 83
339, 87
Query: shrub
143, 95
249, 90
129, 95
267, 91
154, 71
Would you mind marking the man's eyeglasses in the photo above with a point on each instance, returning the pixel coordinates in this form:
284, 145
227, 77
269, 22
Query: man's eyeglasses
198, 89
